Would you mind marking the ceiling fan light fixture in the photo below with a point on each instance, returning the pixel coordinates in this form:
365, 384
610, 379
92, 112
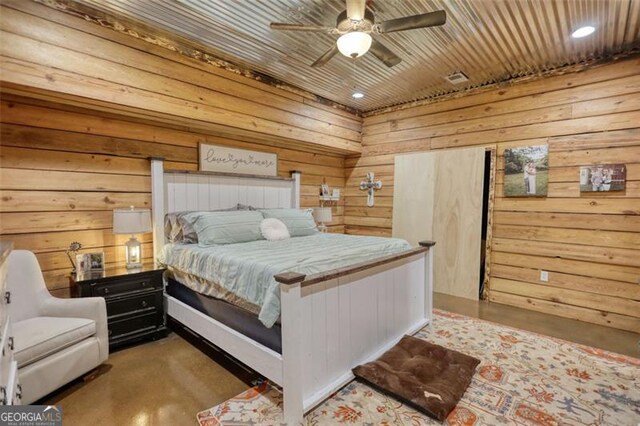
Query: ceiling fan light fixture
357, 95
583, 31
354, 44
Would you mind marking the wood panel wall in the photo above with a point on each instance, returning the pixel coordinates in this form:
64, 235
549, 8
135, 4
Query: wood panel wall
63, 171
83, 107
589, 243
48, 50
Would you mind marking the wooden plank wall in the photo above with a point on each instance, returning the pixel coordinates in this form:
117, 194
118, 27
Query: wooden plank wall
589, 243
52, 51
82, 110
63, 171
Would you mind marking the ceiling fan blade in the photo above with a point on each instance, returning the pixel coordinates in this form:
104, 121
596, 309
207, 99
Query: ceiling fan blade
279, 26
355, 9
430, 19
326, 57
381, 52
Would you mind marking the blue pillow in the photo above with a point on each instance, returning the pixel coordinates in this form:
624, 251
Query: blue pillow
227, 227
300, 223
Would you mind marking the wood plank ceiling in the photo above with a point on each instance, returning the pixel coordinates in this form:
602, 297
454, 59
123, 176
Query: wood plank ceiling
489, 40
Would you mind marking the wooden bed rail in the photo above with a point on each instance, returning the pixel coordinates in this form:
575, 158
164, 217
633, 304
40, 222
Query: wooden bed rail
289, 278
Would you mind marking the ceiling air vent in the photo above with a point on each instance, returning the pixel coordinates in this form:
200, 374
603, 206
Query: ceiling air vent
457, 78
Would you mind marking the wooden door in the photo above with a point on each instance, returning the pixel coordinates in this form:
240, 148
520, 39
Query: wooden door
438, 196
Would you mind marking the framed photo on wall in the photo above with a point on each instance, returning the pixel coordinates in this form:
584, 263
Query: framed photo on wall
526, 171
603, 178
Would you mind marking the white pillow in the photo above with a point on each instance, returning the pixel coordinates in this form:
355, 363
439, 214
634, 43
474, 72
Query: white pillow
274, 229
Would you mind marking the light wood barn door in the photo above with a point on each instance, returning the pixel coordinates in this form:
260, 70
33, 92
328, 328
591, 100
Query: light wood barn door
438, 196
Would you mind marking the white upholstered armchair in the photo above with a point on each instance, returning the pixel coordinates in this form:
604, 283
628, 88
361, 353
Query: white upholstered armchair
56, 340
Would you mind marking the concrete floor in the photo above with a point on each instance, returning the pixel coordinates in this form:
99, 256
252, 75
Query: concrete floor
167, 382
619, 341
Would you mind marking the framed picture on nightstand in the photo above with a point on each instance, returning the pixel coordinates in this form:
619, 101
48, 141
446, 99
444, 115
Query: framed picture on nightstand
96, 261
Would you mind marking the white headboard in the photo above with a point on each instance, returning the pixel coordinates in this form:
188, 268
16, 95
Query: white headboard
175, 191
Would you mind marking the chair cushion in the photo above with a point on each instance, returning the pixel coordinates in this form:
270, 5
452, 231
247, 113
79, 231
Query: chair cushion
37, 338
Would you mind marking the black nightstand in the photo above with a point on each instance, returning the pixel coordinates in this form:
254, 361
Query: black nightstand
135, 309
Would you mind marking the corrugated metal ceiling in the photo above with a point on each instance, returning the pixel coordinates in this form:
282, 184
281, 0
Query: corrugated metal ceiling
488, 40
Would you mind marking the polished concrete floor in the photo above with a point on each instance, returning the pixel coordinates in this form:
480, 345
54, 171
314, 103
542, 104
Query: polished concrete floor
168, 381
619, 341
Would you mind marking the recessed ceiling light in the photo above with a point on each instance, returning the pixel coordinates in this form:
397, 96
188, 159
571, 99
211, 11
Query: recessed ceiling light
357, 95
583, 31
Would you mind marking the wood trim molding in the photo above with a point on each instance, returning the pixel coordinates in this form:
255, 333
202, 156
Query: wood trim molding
185, 47
305, 280
289, 278
359, 267
568, 69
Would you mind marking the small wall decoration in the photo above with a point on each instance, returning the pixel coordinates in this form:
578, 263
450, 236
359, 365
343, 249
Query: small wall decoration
324, 189
214, 158
526, 171
603, 178
370, 185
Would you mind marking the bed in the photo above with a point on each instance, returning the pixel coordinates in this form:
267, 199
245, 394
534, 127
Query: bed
346, 303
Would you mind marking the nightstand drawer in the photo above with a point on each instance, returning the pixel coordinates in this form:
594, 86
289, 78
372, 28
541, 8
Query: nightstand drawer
130, 325
135, 306
151, 301
109, 289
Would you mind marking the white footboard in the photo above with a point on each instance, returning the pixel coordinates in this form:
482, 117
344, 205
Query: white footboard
334, 322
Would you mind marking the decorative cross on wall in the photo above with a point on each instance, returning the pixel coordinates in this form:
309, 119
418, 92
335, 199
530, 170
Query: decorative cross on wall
370, 185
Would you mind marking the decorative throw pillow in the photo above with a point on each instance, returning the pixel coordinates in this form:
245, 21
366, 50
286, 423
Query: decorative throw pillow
172, 228
300, 223
178, 226
274, 229
227, 227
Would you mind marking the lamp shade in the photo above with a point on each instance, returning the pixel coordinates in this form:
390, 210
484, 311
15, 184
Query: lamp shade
354, 44
131, 221
322, 214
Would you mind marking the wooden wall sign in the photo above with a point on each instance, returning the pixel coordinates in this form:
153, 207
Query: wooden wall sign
214, 158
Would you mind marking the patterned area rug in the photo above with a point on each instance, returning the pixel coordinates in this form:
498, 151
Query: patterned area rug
524, 379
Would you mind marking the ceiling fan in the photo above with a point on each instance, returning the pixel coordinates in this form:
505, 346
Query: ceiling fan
355, 26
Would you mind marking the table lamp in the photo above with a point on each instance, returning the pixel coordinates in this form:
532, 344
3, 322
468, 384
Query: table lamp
322, 215
132, 221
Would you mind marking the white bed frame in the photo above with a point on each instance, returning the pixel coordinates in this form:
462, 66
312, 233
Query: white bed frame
330, 322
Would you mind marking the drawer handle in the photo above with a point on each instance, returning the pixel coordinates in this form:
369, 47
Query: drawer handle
110, 332
19, 392
144, 304
143, 283
106, 291
7, 296
11, 342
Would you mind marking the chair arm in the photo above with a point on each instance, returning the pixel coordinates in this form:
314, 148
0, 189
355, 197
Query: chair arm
93, 308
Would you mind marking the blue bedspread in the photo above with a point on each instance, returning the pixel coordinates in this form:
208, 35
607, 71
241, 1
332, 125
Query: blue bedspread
246, 270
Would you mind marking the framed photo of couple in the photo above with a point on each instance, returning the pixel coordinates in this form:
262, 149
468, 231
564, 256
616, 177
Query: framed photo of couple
526, 171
